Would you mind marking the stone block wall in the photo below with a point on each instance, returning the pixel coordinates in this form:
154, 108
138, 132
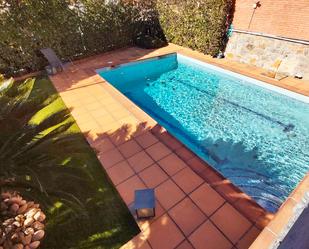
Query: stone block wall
274, 55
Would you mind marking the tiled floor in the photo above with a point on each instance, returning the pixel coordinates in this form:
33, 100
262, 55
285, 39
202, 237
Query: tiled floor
195, 206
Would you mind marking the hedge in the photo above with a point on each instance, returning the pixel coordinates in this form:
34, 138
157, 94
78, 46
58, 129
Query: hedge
81, 28
72, 30
200, 25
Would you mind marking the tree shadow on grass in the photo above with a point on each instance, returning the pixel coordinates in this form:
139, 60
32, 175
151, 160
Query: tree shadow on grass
82, 206
105, 222
102, 221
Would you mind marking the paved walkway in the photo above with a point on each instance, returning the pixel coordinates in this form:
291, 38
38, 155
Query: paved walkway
196, 207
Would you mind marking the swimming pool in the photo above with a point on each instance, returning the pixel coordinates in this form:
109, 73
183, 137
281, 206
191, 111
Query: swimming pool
255, 134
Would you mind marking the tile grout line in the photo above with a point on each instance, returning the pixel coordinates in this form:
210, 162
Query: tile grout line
232, 203
214, 224
173, 175
187, 195
209, 217
170, 177
245, 234
166, 211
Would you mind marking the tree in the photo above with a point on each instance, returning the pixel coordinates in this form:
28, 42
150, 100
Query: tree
35, 157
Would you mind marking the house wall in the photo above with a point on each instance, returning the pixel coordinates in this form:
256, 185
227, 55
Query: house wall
287, 18
284, 18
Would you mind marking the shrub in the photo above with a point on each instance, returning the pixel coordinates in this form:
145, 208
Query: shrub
200, 25
147, 29
32, 153
73, 30
80, 28
26, 26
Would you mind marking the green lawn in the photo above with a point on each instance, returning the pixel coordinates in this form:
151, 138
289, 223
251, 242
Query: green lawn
106, 221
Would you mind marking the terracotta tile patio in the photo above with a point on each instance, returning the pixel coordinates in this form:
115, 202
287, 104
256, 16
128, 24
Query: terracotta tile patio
196, 207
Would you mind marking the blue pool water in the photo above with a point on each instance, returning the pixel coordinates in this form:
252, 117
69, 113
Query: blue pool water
256, 137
